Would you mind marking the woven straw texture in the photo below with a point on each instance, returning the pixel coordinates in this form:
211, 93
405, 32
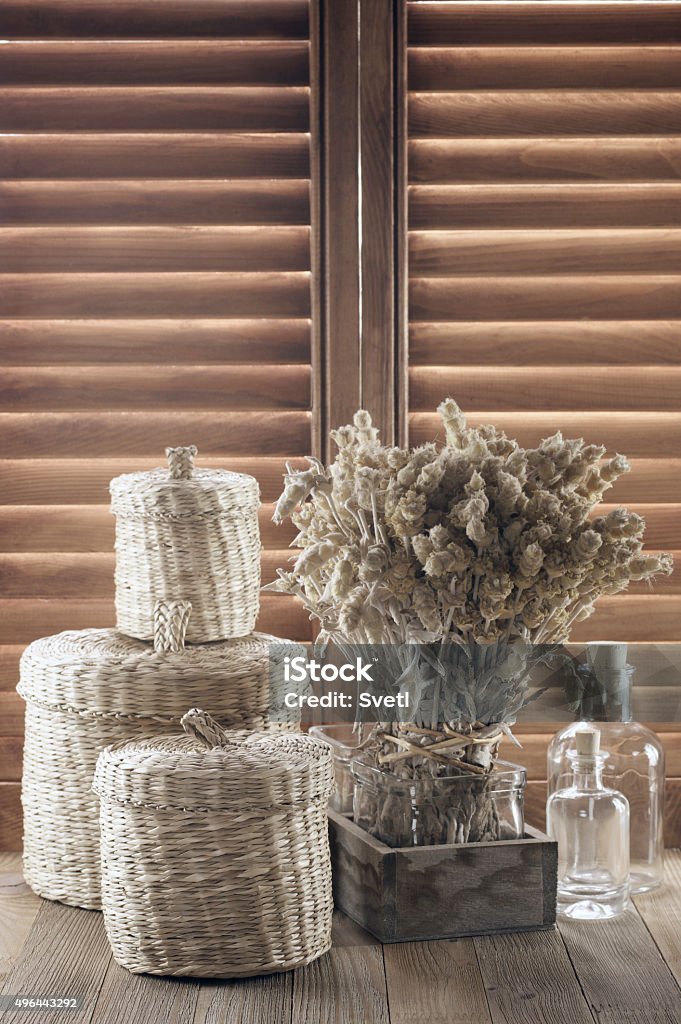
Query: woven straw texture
190, 535
87, 689
216, 858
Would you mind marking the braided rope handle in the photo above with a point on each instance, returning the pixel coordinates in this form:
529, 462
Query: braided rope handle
181, 462
171, 619
203, 728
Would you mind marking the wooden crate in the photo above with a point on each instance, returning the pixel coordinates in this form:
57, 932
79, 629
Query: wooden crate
442, 892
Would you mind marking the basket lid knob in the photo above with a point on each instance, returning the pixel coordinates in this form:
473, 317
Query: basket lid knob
171, 619
202, 727
181, 462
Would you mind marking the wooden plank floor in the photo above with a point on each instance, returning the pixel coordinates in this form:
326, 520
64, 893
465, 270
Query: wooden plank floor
626, 971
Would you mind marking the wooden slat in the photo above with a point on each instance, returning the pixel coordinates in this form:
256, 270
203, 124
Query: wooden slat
656, 480
512, 388
11, 713
632, 618
378, 108
597, 251
546, 297
435, 981
143, 249
126, 996
458, 24
156, 62
525, 113
539, 343
84, 574
22, 621
248, 1000
116, 434
71, 388
545, 160
18, 909
174, 342
341, 200
45, 961
11, 821
155, 202
661, 910
615, 205
86, 481
347, 985
71, 528
9, 670
446, 68
603, 953
530, 968
130, 19
647, 435
11, 758
189, 155
165, 295
150, 108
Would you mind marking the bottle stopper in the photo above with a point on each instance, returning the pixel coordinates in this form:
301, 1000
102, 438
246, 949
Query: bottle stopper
587, 742
605, 656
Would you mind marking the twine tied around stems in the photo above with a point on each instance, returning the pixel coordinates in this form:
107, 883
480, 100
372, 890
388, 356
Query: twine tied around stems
435, 751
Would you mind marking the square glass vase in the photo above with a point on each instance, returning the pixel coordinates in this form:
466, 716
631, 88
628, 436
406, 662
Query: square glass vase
450, 809
346, 744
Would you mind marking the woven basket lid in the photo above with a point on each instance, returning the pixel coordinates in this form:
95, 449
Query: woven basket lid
182, 491
212, 769
99, 671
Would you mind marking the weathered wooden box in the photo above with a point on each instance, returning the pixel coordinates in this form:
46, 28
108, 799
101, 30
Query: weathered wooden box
442, 892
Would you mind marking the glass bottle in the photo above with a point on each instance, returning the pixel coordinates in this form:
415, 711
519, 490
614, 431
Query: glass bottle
590, 823
635, 761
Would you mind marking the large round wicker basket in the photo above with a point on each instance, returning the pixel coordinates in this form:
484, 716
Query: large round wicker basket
87, 689
215, 851
187, 534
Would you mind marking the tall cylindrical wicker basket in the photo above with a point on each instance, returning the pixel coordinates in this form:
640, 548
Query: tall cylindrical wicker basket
187, 534
86, 689
215, 851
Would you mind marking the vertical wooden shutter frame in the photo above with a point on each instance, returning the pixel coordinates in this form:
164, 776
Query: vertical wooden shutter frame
155, 285
544, 165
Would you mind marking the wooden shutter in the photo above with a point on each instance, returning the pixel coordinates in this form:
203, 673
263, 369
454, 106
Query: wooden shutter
155, 288
544, 214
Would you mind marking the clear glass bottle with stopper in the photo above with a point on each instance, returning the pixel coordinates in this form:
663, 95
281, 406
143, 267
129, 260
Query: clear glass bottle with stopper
635, 761
590, 823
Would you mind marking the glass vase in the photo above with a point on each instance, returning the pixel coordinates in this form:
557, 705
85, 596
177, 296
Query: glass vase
461, 808
346, 743
634, 764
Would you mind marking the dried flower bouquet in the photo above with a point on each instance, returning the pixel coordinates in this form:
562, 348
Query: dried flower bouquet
474, 545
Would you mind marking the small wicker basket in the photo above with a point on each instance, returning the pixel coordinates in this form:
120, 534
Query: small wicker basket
215, 851
186, 534
87, 689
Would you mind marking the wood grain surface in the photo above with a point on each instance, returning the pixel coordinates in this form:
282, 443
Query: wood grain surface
546, 160
619, 971
162, 62
123, 19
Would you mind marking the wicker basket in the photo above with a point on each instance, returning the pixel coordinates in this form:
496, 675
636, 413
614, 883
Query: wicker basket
185, 534
215, 851
86, 689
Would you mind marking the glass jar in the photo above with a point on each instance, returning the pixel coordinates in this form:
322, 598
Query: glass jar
346, 742
634, 764
447, 809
